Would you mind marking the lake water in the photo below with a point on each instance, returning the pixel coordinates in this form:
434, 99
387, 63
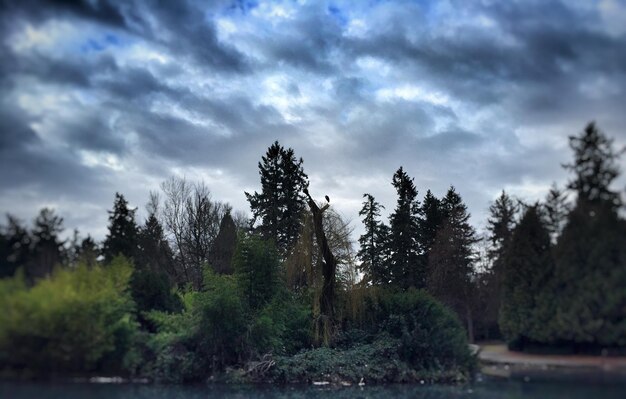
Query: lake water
479, 390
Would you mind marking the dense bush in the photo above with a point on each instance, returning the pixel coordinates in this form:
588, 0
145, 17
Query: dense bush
208, 335
431, 337
68, 323
405, 336
379, 361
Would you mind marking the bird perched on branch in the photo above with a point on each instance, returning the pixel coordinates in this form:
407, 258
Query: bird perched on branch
327, 199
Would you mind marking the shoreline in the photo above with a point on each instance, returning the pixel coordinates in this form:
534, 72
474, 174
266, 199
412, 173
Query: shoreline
497, 361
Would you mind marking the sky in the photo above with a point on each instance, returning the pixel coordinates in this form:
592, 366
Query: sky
98, 97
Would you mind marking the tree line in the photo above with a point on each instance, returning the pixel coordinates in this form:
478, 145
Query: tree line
202, 288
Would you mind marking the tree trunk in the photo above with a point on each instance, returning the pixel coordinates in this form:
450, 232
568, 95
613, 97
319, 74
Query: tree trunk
329, 269
470, 324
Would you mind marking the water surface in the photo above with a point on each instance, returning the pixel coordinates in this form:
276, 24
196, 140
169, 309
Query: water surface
479, 390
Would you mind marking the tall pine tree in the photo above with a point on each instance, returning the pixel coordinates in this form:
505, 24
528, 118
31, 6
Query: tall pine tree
556, 208
373, 242
123, 231
432, 217
280, 203
48, 247
590, 273
451, 260
407, 270
528, 269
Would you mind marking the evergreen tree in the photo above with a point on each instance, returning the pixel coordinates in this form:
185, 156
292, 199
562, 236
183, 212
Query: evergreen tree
528, 269
256, 265
88, 252
122, 237
17, 248
430, 222
556, 208
406, 267
48, 248
451, 260
500, 224
590, 273
502, 215
372, 243
595, 167
590, 278
155, 252
154, 272
280, 203
224, 246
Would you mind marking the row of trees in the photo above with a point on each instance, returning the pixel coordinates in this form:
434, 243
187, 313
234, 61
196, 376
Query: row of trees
563, 266
427, 245
552, 272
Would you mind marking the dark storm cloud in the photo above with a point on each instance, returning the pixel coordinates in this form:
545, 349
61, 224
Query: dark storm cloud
187, 31
119, 95
103, 11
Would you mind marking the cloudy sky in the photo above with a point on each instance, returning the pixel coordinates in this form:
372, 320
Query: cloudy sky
105, 96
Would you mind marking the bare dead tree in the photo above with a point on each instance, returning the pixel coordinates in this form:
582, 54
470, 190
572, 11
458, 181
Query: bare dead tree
192, 220
329, 270
176, 192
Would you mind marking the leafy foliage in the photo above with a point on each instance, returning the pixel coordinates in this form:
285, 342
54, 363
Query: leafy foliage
256, 265
69, 322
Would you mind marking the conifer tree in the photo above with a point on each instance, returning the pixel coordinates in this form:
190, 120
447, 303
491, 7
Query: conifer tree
256, 264
595, 167
122, 236
17, 248
88, 251
528, 269
406, 267
280, 203
451, 260
224, 246
48, 248
500, 224
432, 217
502, 215
373, 242
155, 252
590, 273
555, 211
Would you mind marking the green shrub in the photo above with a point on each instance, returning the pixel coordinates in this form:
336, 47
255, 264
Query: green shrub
430, 335
70, 322
210, 334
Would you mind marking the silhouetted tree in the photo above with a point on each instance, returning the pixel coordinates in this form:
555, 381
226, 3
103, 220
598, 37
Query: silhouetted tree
555, 211
406, 267
47, 246
502, 219
122, 236
88, 252
432, 217
595, 167
452, 259
528, 270
590, 273
192, 220
16, 250
373, 242
280, 203
224, 246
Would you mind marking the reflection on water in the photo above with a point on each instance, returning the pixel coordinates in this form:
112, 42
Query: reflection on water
482, 390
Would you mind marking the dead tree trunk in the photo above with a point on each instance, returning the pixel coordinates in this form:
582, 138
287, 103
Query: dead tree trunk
329, 270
